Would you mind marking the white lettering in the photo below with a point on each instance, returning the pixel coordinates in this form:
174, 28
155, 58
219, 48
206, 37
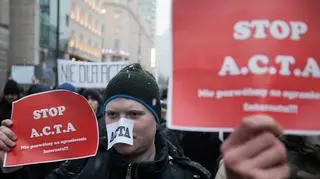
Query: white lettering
229, 67
34, 133
36, 114
260, 26
279, 30
242, 30
46, 131
285, 62
255, 68
61, 109
57, 127
298, 28
312, 68
70, 128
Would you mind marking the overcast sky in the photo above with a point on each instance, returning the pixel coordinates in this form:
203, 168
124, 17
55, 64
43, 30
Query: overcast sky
163, 39
163, 15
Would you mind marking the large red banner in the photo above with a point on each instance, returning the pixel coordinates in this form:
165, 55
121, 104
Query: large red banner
52, 126
236, 58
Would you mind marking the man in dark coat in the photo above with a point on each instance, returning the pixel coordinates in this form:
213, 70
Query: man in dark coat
11, 92
133, 96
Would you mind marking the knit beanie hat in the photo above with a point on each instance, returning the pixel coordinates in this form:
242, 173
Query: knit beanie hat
93, 94
135, 83
12, 87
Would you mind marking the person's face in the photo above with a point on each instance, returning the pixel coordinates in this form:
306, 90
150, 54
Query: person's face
144, 129
10, 97
93, 103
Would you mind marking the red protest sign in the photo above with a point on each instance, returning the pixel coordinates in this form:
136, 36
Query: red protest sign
52, 126
236, 58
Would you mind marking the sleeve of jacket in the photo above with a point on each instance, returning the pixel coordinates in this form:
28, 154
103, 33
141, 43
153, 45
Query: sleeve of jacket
221, 174
37, 171
23, 173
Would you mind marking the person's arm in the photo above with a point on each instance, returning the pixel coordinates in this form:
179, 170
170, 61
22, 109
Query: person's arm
16, 173
7, 141
5, 170
255, 151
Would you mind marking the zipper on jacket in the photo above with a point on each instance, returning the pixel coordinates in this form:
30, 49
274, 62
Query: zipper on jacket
128, 176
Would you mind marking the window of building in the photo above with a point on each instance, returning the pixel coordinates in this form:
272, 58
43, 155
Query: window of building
81, 42
82, 14
89, 22
89, 43
77, 14
85, 21
67, 20
93, 4
117, 14
71, 43
95, 29
116, 30
116, 44
102, 28
73, 13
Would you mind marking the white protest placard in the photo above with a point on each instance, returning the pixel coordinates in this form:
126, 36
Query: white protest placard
88, 74
22, 74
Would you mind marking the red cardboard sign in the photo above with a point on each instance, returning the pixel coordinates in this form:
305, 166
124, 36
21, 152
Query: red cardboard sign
236, 58
52, 126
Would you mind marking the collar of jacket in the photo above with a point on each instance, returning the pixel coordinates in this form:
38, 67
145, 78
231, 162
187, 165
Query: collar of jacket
143, 169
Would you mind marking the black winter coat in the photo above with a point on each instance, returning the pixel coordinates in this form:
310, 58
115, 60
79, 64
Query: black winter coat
169, 164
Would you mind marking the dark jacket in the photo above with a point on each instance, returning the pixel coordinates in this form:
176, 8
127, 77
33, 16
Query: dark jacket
169, 163
5, 110
303, 158
209, 145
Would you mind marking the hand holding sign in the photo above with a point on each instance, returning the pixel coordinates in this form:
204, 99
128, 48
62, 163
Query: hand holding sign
246, 156
7, 138
250, 57
48, 132
7, 142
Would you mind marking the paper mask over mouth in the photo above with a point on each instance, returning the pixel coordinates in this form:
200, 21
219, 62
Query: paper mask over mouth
120, 132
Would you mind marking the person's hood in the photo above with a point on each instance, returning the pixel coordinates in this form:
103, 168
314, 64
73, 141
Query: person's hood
12, 87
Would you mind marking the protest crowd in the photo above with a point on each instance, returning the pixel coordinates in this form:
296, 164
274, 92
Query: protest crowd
241, 103
256, 150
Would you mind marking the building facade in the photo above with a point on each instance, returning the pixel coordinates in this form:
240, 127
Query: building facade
24, 32
53, 42
148, 9
86, 30
4, 41
127, 35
